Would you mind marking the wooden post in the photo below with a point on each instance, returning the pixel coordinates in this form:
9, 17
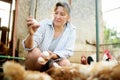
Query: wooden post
32, 8
15, 28
0, 22
70, 1
97, 30
4, 34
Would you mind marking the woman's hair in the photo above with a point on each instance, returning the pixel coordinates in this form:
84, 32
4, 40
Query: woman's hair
63, 4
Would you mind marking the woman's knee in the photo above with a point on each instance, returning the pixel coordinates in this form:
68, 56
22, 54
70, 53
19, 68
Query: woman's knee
64, 62
35, 53
31, 61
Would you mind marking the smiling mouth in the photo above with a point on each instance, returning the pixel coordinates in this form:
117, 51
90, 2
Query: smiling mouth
58, 21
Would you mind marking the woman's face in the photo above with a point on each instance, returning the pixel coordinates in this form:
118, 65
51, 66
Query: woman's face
60, 16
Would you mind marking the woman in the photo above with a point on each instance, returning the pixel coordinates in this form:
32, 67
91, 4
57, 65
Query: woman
56, 36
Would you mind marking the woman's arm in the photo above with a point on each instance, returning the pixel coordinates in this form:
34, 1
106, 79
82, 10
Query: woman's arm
29, 41
32, 27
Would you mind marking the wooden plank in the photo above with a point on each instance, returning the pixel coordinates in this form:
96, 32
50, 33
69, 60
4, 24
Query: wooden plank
32, 8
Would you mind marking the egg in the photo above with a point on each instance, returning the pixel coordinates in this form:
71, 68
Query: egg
45, 53
40, 59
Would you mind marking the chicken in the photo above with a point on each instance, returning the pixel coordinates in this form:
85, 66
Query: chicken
15, 71
107, 74
83, 60
102, 70
115, 74
3, 49
66, 73
107, 56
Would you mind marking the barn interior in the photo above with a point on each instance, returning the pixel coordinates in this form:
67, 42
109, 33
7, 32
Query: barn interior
92, 40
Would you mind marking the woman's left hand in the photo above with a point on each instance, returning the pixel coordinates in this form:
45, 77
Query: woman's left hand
51, 55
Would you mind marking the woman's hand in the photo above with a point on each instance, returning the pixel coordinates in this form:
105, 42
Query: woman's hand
48, 57
51, 56
32, 25
41, 61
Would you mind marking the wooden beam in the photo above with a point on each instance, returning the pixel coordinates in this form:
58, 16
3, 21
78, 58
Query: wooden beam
8, 1
70, 1
94, 44
32, 8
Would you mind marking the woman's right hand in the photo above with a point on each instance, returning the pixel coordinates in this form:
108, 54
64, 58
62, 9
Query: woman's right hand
32, 25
